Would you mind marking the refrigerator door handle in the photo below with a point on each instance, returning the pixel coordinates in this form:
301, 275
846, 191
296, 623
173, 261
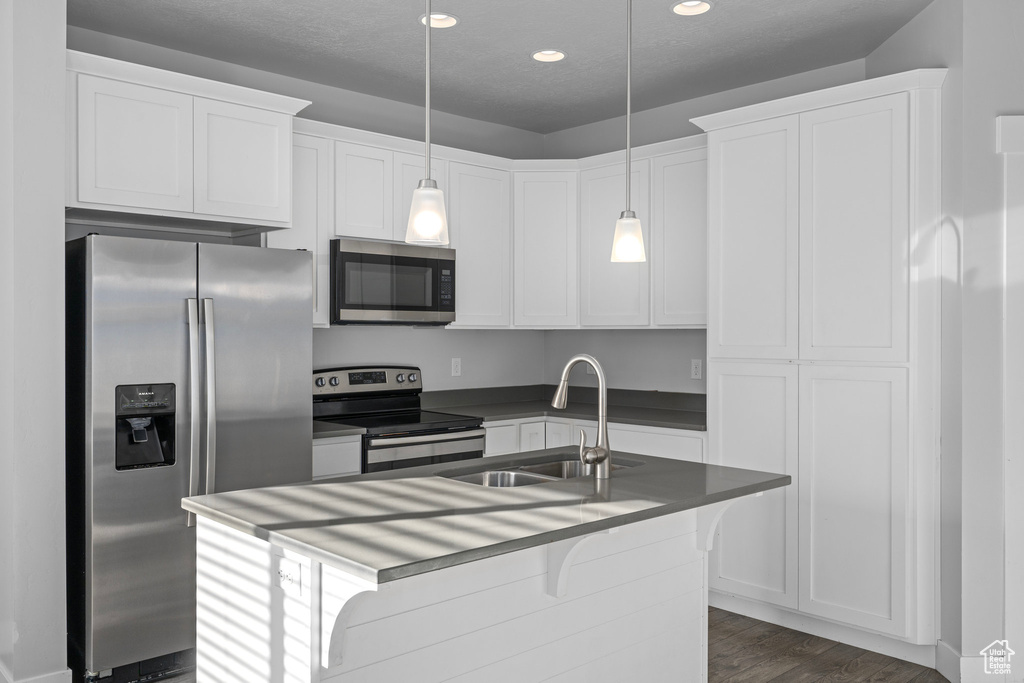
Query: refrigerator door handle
195, 396
211, 398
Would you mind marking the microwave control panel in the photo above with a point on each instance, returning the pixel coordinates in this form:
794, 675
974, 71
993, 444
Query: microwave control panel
447, 289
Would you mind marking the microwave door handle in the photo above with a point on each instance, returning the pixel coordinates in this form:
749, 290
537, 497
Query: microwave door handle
195, 397
211, 398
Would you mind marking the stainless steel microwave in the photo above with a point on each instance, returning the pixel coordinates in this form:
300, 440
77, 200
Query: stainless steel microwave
391, 283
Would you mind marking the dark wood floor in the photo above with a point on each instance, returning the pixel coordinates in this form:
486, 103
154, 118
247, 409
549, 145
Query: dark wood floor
743, 649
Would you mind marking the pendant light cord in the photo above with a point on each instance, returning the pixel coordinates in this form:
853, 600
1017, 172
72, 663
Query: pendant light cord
426, 136
629, 73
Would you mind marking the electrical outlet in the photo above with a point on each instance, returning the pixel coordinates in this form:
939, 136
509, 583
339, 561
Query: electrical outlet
289, 576
696, 368
456, 367
590, 369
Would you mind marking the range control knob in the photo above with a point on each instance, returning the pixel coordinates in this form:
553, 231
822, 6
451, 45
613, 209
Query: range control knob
400, 377
335, 381
320, 381
413, 376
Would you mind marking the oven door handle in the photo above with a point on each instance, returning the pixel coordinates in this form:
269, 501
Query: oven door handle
425, 438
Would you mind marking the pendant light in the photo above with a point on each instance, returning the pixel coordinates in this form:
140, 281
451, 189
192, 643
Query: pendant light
628, 242
428, 222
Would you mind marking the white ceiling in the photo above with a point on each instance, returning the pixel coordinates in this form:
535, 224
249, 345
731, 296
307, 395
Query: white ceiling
482, 68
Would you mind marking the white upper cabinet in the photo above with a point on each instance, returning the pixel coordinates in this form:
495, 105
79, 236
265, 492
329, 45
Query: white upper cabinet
479, 223
612, 294
854, 231
409, 170
678, 249
242, 161
753, 240
134, 145
312, 215
364, 191
148, 141
545, 229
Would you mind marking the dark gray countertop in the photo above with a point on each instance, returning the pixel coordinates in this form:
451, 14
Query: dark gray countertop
327, 430
390, 525
648, 417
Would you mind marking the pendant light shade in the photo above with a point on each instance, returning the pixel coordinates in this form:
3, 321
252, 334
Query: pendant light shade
428, 220
628, 240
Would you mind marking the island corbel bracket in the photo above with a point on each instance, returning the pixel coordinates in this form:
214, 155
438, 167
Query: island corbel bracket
335, 609
707, 521
560, 556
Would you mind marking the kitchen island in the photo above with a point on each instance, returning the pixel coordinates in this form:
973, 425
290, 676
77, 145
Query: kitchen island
411, 576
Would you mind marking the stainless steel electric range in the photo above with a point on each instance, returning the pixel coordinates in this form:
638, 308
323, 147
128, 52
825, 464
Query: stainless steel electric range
385, 401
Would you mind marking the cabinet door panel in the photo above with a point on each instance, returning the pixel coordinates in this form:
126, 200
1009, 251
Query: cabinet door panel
753, 240
408, 174
854, 497
134, 145
242, 161
479, 220
531, 436
545, 248
557, 434
501, 438
364, 191
336, 458
752, 423
854, 231
612, 293
679, 238
312, 215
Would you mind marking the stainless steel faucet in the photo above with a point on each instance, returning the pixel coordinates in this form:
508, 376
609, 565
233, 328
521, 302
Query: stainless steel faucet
600, 455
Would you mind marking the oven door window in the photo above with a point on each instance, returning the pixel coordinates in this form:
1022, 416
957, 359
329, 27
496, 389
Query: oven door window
393, 283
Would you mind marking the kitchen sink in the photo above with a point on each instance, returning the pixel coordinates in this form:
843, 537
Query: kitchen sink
526, 475
502, 478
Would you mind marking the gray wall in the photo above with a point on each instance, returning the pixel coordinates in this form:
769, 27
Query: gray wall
633, 359
652, 360
331, 105
490, 358
32, 84
673, 121
980, 42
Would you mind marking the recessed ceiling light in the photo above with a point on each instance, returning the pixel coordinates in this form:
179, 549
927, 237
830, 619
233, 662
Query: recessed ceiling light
689, 8
549, 55
439, 20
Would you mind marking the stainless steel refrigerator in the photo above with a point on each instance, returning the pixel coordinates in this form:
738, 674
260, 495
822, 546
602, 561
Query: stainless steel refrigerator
188, 370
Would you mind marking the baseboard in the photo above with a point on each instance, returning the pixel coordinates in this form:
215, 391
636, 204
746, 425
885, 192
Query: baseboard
947, 661
918, 654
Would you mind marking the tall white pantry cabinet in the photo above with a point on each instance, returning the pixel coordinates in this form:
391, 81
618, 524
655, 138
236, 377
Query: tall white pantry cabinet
823, 351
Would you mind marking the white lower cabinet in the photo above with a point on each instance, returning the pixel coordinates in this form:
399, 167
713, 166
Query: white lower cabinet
854, 495
337, 456
677, 444
753, 424
501, 437
837, 543
532, 434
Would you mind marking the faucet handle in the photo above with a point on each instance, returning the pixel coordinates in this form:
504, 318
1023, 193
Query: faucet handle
583, 447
